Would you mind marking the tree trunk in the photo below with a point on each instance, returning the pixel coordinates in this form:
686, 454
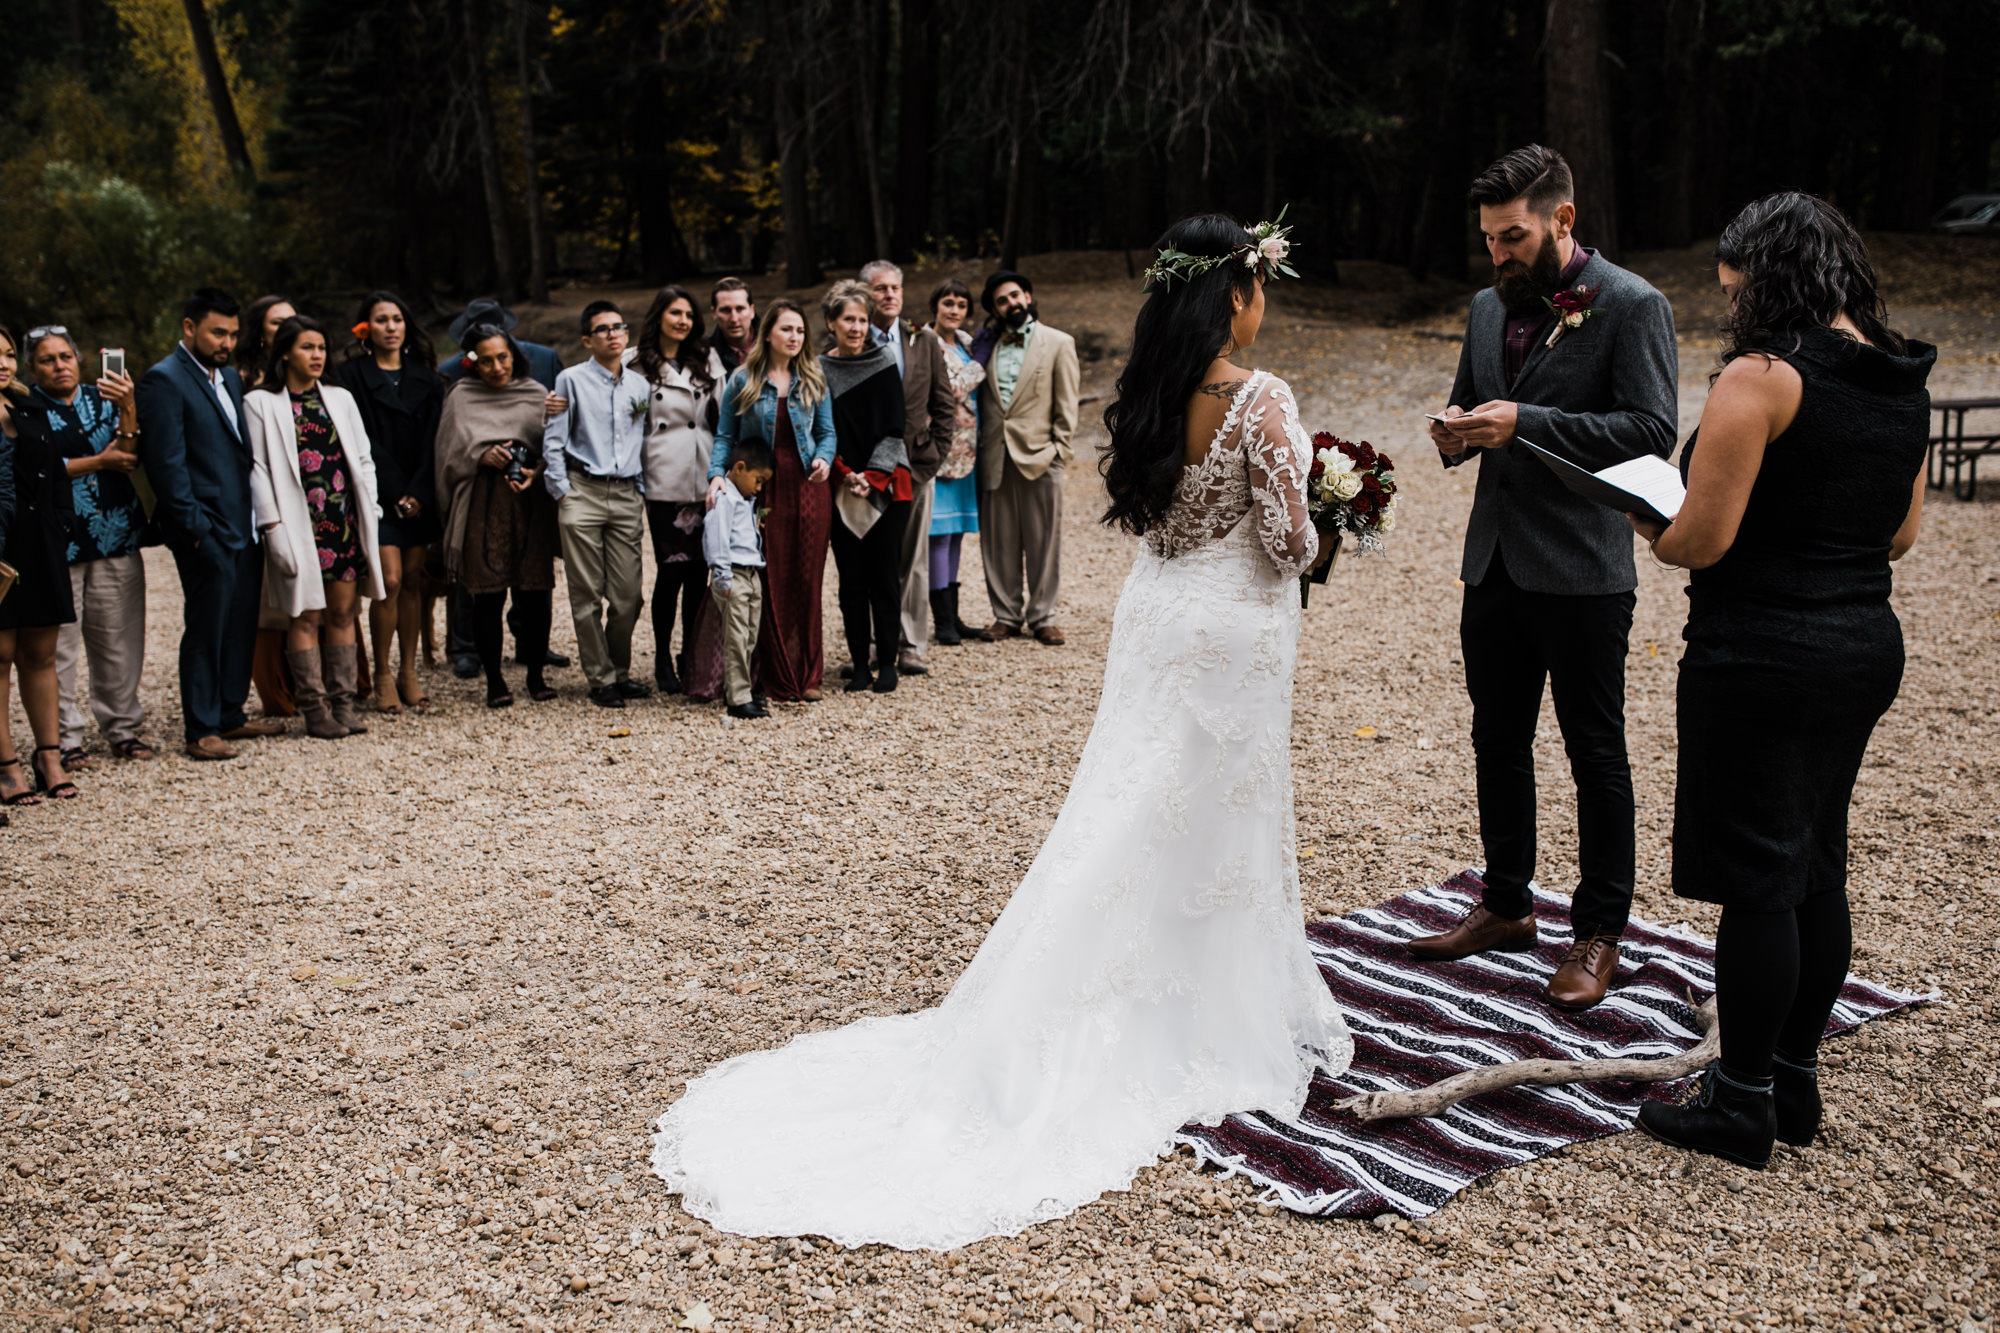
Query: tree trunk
1685, 22
916, 124
801, 267
1914, 198
489, 154
538, 260
1579, 115
210, 59
1437, 233
868, 98
1017, 150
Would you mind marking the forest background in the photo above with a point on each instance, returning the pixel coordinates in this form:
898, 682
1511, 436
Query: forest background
460, 147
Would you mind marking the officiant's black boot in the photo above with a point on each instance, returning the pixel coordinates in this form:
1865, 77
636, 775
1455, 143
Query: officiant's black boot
1795, 1097
944, 625
1720, 1115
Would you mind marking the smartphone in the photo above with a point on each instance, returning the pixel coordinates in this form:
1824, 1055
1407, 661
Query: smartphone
1433, 416
113, 359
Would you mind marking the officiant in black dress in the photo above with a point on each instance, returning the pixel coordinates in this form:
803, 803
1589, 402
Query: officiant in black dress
1576, 354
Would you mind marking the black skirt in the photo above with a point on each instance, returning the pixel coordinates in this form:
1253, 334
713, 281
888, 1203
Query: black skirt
1769, 751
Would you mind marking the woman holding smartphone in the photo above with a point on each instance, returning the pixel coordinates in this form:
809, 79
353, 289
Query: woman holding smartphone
389, 370
313, 496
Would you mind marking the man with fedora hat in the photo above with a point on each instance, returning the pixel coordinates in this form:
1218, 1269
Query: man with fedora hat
543, 366
1027, 416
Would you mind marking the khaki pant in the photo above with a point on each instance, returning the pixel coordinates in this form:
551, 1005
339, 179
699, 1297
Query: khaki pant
1020, 527
917, 577
603, 524
110, 625
740, 607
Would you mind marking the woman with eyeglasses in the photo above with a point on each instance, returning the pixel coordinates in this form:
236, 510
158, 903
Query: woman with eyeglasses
312, 487
389, 371
36, 544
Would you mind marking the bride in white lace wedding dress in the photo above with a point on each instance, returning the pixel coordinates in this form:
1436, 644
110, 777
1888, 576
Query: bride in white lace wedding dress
1150, 970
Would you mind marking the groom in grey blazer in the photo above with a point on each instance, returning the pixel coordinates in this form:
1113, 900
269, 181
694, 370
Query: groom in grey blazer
1549, 576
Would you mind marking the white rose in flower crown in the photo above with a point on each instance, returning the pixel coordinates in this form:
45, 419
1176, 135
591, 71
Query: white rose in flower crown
1274, 248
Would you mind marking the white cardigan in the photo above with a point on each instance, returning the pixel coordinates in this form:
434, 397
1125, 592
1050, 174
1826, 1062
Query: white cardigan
678, 437
277, 495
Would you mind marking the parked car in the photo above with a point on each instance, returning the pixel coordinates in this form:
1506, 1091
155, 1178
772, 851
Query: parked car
1969, 215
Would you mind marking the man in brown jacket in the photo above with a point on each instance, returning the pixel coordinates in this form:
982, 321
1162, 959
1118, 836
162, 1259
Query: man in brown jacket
1027, 416
928, 409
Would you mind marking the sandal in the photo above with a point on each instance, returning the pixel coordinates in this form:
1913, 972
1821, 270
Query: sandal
386, 700
61, 791
25, 796
133, 748
412, 690
74, 757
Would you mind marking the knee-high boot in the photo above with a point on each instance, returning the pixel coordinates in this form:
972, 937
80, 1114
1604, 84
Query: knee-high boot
343, 673
310, 694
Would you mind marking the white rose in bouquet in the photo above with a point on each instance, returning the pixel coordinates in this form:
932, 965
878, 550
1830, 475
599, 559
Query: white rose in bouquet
1387, 522
1339, 481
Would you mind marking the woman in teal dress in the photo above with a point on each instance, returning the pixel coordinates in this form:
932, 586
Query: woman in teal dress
955, 502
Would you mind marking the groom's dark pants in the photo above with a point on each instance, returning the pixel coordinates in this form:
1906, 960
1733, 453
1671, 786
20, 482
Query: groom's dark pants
1513, 640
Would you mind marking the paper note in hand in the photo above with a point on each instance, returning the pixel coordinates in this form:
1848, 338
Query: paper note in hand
1648, 486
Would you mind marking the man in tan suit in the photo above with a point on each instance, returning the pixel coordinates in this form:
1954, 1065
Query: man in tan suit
1027, 416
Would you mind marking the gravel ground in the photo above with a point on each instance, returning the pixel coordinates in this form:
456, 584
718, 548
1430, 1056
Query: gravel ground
371, 1032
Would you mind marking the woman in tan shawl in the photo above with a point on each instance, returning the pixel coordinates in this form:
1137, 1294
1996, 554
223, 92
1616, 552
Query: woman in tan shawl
500, 524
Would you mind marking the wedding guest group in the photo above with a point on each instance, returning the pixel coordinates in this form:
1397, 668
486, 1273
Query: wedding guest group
1549, 576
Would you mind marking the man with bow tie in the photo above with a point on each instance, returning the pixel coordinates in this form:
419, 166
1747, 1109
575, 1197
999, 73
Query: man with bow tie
1027, 417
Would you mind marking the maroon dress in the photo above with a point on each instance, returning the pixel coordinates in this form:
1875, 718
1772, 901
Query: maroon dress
791, 647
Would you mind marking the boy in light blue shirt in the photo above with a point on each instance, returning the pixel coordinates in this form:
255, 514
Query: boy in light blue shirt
733, 549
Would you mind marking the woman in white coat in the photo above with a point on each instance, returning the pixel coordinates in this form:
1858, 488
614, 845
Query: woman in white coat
686, 377
312, 488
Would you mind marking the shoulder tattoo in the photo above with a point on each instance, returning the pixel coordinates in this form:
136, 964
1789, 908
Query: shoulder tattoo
1223, 389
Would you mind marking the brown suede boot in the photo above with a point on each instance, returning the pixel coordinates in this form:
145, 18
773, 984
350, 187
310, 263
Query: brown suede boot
310, 692
343, 678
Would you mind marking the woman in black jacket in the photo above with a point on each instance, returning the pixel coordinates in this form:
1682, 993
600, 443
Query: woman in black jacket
389, 372
871, 471
37, 531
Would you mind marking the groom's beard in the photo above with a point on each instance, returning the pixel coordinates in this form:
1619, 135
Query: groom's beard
1523, 289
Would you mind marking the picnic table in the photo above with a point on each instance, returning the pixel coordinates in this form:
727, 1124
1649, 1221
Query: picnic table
1953, 457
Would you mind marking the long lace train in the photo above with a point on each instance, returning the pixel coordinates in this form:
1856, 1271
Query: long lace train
1149, 971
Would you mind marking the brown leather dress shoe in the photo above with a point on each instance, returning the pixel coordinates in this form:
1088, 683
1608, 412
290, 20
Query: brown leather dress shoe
210, 747
256, 729
1478, 931
1051, 636
1585, 973
996, 631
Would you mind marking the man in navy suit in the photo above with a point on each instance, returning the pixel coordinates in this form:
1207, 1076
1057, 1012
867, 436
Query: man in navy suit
198, 459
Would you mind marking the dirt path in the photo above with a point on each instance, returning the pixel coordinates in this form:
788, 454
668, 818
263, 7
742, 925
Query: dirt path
369, 1033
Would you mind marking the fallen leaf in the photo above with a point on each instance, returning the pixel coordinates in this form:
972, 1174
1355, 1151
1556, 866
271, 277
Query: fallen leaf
1308, 852
622, 731
698, 1318
344, 981
1652, 650
1364, 733
306, 973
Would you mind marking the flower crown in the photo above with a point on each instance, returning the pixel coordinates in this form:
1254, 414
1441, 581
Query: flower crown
1265, 255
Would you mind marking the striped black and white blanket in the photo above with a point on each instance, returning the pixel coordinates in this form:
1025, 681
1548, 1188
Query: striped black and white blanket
1415, 1023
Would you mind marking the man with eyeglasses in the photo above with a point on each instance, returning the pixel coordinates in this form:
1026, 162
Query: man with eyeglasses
593, 449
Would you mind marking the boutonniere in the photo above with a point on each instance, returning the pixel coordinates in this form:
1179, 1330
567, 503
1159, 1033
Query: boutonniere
1572, 308
909, 329
637, 407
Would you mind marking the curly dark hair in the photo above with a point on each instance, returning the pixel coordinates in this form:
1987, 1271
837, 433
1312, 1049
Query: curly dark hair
691, 356
1803, 266
1182, 327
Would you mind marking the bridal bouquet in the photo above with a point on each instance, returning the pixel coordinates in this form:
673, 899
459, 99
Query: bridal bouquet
1350, 491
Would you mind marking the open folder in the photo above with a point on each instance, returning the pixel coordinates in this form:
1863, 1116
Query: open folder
1648, 486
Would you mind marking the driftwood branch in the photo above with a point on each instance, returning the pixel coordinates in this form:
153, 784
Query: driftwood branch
1441, 1096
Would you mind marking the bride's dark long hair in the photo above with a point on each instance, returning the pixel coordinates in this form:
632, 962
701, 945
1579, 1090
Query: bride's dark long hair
1182, 328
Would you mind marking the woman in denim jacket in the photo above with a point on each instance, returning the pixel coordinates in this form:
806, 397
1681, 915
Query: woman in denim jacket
779, 395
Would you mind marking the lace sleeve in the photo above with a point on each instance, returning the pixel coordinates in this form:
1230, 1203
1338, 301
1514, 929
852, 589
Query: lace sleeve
1277, 456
